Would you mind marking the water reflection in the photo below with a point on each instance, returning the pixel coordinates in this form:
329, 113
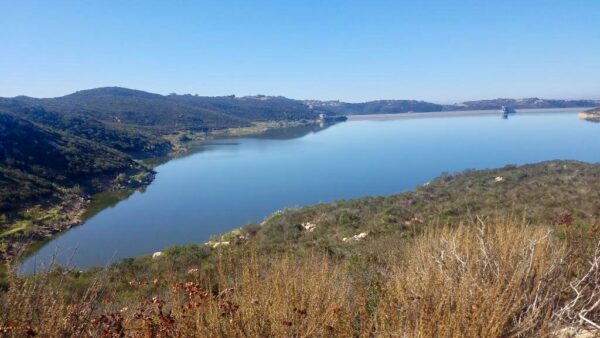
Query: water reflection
292, 132
217, 143
506, 111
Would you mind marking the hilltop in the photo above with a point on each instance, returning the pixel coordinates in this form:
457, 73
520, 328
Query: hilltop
122, 106
134, 121
526, 103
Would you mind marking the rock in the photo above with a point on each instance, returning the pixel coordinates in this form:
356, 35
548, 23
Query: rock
499, 179
308, 226
358, 237
361, 235
218, 244
572, 332
157, 254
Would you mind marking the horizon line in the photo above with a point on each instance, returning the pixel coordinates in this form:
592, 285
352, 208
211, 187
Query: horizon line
296, 99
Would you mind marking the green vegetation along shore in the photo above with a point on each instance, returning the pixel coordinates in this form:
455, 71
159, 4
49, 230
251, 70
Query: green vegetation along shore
515, 247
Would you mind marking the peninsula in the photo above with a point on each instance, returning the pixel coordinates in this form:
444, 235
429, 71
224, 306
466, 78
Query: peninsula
592, 115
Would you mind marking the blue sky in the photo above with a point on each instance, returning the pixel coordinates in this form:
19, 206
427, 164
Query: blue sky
442, 51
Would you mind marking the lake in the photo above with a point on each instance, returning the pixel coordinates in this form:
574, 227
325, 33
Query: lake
228, 183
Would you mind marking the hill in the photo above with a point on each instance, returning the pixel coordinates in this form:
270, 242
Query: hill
375, 107
405, 106
527, 103
45, 176
121, 106
50, 158
136, 122
55, 151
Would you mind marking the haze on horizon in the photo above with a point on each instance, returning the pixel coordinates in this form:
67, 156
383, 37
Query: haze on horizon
437, 51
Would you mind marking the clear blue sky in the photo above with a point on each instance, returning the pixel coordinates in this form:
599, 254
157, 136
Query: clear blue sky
442, 51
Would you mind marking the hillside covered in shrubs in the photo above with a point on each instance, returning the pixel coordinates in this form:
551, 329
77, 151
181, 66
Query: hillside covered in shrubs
56, 152
59, 137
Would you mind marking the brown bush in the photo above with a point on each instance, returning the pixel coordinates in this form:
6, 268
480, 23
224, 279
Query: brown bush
497, 279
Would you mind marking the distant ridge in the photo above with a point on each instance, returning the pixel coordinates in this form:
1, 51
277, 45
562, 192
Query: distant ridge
376, 107
532, 102
233, 110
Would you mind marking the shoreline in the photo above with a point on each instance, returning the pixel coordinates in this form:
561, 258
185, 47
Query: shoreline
241, 235
77, 211
182, 148
76, 208
46, 220
458, 113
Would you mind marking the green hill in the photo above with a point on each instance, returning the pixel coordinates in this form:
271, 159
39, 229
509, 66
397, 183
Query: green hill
55, 151
37, 160
120, 106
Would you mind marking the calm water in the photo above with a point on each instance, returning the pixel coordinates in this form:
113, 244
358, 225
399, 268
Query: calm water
233, 182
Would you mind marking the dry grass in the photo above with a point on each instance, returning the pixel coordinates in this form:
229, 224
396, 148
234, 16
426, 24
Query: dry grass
498, 279
282, 298
34, 307
492, 278
584, 305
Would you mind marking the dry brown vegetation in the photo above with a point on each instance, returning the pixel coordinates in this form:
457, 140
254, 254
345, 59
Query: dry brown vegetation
484, 278
492, 280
